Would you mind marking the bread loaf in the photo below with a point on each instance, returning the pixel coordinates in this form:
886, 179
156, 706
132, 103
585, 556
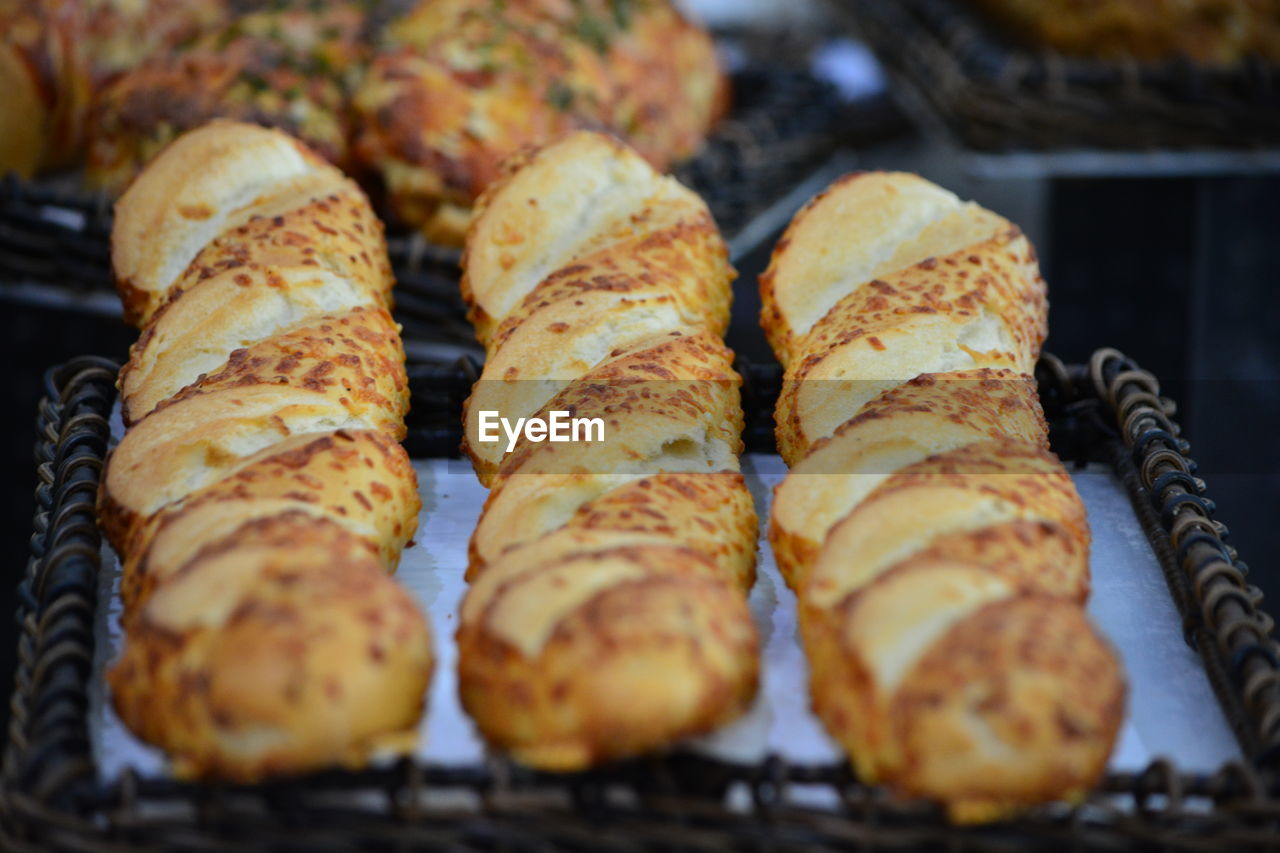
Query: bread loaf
938, 550
259, 495
56, 55
607, 613
290, 65
458, 86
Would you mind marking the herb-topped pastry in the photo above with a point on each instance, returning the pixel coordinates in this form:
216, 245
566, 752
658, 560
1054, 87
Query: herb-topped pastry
55, 54
291, 67
460, 84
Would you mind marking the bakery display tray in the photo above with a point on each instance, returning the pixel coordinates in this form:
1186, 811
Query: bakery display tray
962, 77
73, 778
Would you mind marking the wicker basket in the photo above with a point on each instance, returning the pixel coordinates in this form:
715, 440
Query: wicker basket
989, 94
1109, 410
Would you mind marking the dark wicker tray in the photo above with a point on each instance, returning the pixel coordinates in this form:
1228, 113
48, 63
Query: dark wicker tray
1109, 410
965, 77
780, 127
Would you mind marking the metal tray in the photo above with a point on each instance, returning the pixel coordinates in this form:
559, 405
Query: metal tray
1107, 411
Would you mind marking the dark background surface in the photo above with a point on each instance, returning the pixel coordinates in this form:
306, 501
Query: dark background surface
1180, 273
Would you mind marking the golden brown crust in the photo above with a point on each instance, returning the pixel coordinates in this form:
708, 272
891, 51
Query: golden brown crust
56, 55
684, 263
358, 354
900, 219
208, 182
961, 502
553, 298
362, 481
938, 550
661, 391
1034, 674
931, 414
330, 231
617, 229
298, 656
607, 612
259, 495
208, 437
666, 653
773, 320
981, 307
987, 687
290, 68
458, 88
712, 514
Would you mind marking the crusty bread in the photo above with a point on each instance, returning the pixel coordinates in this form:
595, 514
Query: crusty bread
288, 65
227, 177
45, 85
909, 220
612, 200
930, 414
960, 312
281, 648
259, 494
607, 614
457, 88
938, 550
631, 256
56, 55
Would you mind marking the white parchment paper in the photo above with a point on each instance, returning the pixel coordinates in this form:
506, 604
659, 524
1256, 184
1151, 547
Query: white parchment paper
1171, 710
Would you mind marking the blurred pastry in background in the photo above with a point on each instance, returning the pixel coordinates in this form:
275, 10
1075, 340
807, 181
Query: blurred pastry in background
292, 66
1207, 31
55, 54
460, 84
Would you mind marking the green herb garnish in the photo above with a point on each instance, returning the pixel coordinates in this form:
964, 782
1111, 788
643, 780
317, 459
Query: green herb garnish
560, 96
622, 10
594, 32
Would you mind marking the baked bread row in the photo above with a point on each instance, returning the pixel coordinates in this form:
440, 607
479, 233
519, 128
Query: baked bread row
260, 495
458, 87
938, 550
607, 612
432, 104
